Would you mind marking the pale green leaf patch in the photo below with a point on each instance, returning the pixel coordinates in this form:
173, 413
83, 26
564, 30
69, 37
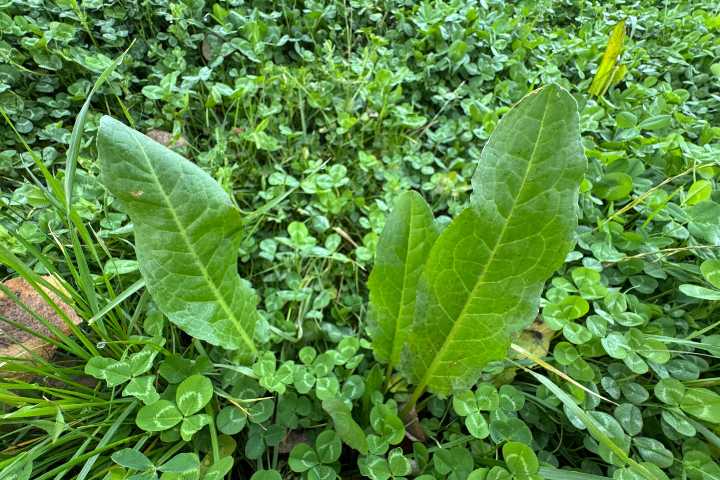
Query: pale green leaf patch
219, 469
702, 293
701, 403
710, 270
181, 463
131, 458
114, 372
346, 427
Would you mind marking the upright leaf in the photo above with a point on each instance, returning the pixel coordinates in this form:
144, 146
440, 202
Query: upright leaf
485, 272
401, 253
186, 236
346, 427
609, 72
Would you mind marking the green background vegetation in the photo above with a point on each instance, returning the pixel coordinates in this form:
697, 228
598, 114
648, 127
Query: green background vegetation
315, 116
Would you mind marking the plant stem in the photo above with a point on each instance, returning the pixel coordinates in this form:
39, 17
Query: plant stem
417, 393
213, 434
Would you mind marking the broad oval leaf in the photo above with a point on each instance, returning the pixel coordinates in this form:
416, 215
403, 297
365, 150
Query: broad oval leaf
142, 388
702, 403
114, 372
231, 420
485, 272
328, 446
186, 236
401, 253
302, 458
266, 475
711, 271
191, 425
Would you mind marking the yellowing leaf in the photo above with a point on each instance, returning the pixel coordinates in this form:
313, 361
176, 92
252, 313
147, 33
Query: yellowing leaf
609, 72
699, 191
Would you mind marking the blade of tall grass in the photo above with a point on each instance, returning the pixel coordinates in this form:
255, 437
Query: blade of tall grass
109, 434
79, 127
127, 293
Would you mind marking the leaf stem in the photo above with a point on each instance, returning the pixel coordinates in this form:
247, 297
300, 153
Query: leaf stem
213, 433
417, 393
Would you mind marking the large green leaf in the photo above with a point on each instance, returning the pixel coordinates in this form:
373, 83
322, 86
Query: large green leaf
485, 272
186, 236
401, 253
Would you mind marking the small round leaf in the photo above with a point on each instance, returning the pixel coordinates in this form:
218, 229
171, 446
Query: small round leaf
131, 458
158, 416
302, 458
193, 394
328, 446
231, 420
520, 459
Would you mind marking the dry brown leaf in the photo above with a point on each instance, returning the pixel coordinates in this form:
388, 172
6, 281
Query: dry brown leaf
167, 139
17, 343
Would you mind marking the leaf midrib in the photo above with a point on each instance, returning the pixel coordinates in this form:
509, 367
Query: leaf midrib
449, 338
194, 255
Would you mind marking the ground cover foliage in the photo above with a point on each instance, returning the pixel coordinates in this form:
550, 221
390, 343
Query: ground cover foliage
314, 118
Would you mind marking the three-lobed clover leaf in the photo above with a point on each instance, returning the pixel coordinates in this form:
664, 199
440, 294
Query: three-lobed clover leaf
317, 461
377, 467
191, 396
471, 405
385, 421
130, 369
183, 466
